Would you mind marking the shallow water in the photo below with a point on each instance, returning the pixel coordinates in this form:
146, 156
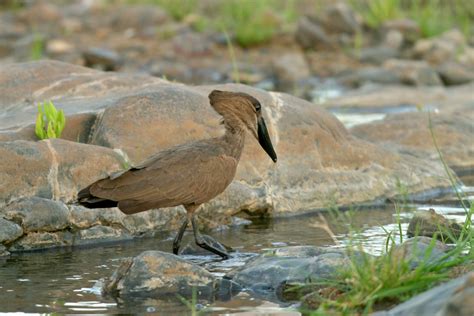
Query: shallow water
63, 280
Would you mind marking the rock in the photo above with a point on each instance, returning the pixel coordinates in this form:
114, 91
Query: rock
309, 34
78, 128
38, 214
340, 18
409, 29
440, 49
417, 73
428, 223
393, 39
156, 273
461, 303
58, 47
369, 75
410, 133
52, 168
453, 298
102, 58
290, 69
137, 17
3, 251
453, 73
192, 44
9, 231
267, 272
391, 97
377, 54
102, 234
42, 240
414, 251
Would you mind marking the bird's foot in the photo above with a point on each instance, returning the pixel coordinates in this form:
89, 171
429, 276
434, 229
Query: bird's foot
210, 244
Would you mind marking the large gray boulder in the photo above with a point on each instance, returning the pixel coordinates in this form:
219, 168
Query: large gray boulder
265, 274
453, 298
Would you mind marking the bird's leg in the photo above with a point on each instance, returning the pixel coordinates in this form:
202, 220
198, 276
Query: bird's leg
179, 236
201, 242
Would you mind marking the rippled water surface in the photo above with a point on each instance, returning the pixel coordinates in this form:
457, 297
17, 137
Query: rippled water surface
63, 280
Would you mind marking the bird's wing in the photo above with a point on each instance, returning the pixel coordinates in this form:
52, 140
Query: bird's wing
174, 177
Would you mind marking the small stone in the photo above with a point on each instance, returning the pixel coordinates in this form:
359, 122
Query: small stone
340, 18
415, 250
105, 59
38, 214
101, 233
409, 29
3, 251
309, 34
57, 46
377, 54
453, 73
290, 69
9, 231
393, 39
428, 223
42, 240
417, 73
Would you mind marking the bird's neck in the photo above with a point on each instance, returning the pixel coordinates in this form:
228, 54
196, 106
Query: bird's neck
234, 139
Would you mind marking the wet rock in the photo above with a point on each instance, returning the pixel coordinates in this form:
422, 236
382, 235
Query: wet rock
428, 223
340, 18
420, 249
309, 34
377, 54
38, 214
410, 133
418, 73
448, 299
267, 272
453, 73
102, 234
42, 240
3, 251
156, 273
290, 70
9, 231
102, 58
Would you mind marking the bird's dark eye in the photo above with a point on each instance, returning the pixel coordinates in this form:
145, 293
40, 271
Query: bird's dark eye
257, 106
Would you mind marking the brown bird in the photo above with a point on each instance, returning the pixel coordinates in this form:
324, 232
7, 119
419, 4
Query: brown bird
188, 174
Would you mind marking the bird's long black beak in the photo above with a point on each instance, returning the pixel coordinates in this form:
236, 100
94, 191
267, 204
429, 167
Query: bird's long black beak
264, 139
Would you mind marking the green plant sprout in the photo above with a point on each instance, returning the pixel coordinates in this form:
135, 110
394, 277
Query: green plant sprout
49, 122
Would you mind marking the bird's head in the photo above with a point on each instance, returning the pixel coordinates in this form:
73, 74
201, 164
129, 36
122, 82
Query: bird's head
241, 110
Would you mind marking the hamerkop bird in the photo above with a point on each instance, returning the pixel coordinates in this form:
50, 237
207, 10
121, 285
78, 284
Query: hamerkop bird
188, 174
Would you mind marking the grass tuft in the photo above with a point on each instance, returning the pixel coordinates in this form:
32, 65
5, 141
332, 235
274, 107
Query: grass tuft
49, 121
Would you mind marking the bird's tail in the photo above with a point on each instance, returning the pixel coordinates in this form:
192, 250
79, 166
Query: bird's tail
85, 198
